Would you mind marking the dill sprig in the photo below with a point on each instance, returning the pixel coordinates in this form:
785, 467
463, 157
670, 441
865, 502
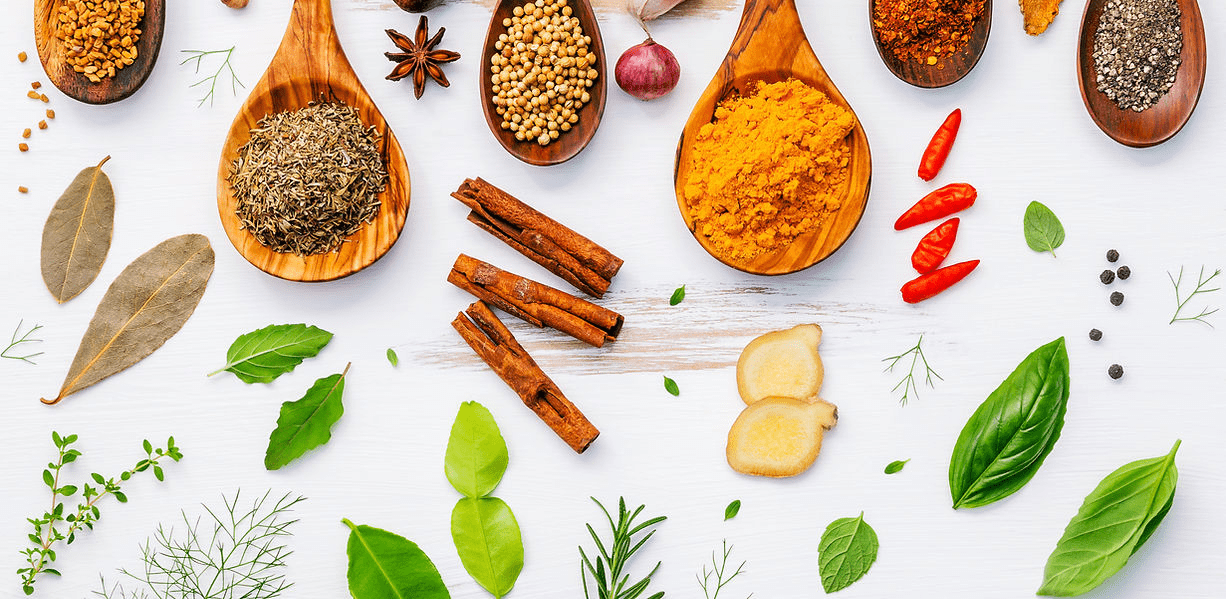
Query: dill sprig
198, 56
607, 571
1201, 287
19, 339
718, 570
907, 383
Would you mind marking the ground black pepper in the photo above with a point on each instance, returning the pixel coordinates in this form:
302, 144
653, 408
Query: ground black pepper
1124, 272
1107, 277
1117, 298
1137, 49
1115, 371
1096, 335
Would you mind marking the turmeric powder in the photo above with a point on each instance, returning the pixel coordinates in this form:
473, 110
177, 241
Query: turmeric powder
770, 167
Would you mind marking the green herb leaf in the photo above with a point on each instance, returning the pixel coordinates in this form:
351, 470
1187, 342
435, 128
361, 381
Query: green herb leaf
307, 423
1043, 230
678, 296
476, 452
671, 386
392, 358
488, 541
262, 356
1005, 442
1113, 523
847, 550
385, 565
896, 466
77, 235
732, 510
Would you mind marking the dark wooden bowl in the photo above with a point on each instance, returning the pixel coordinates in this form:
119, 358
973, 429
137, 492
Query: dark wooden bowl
111, 89
947, 72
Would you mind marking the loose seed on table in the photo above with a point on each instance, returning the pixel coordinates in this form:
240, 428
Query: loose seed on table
26, 134
21, 56
50, 113
1107, 277
1115, 371
33, 95
1117, 298
1124, 272
44, 98
1112, 255
1096, 335
23, 189
42, 124
23, 147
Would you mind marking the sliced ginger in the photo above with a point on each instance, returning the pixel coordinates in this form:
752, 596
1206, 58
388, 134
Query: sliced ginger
781, 364
1038, 14
779, 436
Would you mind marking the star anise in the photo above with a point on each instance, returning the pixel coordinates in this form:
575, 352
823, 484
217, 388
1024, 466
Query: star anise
419, 57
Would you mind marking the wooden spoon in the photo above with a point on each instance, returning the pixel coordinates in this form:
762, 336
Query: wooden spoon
570, 143
947, 72
1162, 120
53, 55
770, 46
310, 63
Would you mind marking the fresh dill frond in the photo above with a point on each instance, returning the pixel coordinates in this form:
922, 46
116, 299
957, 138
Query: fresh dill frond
909, 388
607, 571
18, 339
1202, 286
198, 57
719, 568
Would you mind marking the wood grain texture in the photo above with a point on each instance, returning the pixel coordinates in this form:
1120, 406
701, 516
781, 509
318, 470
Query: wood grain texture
309, 65
770, 45
112, 89
1162, 120
689, 8
946, 72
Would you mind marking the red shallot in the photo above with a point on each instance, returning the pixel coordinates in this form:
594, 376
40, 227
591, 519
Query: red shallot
647, 71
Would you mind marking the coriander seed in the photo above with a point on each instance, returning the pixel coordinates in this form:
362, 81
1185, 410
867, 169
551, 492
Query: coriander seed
1117, 298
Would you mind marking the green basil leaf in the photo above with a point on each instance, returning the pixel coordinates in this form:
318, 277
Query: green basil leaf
678, 296
392, 358
895, 466
262, 356
671, 386
846, 552
476, 453
1005, 442
307, 423
385, 565
488, 541
1043, 230
1116, 518
732, 510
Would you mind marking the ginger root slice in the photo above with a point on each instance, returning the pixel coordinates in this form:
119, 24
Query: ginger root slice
779, 436
1038, 14
781, 364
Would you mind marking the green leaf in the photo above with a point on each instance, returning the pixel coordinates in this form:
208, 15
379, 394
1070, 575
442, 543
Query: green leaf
68, 490
896, 466
262, 356
48, 479
1114, 521
488, 541
392, 358
476, 453
847, 550
732, 510
678, 296
148, 447
1043, 230
1005, 442
384, 565
671, 386
307, 423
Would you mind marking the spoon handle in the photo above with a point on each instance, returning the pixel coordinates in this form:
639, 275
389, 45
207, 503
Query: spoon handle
770, 31
311, 28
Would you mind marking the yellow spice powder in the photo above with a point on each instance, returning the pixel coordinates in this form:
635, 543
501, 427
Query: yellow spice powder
770, 167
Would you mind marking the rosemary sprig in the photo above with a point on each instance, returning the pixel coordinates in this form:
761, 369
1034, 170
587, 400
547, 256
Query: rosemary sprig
908, 382
19, 339
198, 56
718, 570
607, 571
1201, 284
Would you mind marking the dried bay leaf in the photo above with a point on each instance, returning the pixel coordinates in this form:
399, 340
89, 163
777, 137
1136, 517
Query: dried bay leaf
77, 235
146, 305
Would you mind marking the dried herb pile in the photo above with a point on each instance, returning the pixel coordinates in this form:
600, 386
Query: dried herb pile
1137, 51
308, 178
926, 31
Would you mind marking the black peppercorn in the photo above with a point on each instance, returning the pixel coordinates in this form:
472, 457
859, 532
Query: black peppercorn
1095, 334
1107, 277
1115, 371
1117, 298
1112, 255
1123, 273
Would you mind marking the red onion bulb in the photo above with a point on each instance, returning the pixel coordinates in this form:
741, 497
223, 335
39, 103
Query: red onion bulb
647, 71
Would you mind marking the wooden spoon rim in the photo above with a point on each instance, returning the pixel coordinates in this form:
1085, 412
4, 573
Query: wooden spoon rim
126, 81
935, 77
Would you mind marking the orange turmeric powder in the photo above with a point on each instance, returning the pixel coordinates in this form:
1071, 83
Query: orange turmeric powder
769, 168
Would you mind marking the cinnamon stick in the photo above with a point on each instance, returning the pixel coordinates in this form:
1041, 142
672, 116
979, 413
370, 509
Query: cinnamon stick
565, 253
536, 303
491, 339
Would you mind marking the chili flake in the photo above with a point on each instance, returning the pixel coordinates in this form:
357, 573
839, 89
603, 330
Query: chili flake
926, 31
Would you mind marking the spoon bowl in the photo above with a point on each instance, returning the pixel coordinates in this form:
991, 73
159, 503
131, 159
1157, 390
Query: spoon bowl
1163, 120
310, 65
770, 46
946, 72
570, 143
54, 57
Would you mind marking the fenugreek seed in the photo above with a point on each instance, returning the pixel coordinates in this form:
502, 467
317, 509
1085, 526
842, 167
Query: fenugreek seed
23, 189
23, 147
21, 56
26, 134
36, 84
50, 113
42, 124
33, 95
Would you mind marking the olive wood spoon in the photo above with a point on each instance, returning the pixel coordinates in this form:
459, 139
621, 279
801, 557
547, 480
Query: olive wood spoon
53, 55
1162, 120
570, 143
310, 63
770, 46
946, 72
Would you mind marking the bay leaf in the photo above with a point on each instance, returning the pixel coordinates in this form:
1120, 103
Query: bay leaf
146, 305
307, 423
77, 235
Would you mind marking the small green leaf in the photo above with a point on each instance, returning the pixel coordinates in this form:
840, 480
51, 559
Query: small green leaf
263, 355
671, 386
307, 423
489, 543
896, 466
55, 438
476, 452
48, 478
68, 490
384, 565
148, 446
732, 510
392, 358
1043, 230
678, 296
157, 473
847, 550
120, 497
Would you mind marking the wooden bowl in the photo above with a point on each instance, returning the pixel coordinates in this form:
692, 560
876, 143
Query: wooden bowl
947, 72
111, 89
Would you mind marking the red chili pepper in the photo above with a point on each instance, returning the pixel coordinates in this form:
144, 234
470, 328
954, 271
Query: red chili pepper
943, 202
938, 148
934, 247
928, 285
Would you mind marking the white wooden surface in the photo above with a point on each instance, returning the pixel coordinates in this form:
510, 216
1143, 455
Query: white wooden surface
1025, 136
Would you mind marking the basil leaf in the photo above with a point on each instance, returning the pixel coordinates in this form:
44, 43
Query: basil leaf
263, 355
732, 510
671, 386
1043, 230
307, 423
678, 296
476, 453
488, 541
1005, 442
846, 552
392, 358
385, 565
895, 466
1112, 524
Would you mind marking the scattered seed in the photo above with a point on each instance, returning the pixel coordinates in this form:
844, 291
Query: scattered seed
1107, 277
21, 56
1117, 298
26, 134
1115, 371
1124, 272
36, 84
1096, 335
23, 147
42, 124
50, 113
1112, 255
23, 189
33, 95
44, 98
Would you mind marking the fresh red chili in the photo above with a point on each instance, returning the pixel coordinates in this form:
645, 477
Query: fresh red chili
928, 285
943, 202
934, 247
938, 148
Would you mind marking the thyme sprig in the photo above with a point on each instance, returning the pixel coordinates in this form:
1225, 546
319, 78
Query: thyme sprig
1202, 284
18, 339
907, 383
198, 57
610, 563
718, 569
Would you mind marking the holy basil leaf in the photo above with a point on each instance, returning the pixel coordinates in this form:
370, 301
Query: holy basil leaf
732, 510
476, 452
678, 296
1005, 442
384, 565
896, 466
671, 386
1043, 230
1112, 524
262, 356
847, 550
307, 423
488, 541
